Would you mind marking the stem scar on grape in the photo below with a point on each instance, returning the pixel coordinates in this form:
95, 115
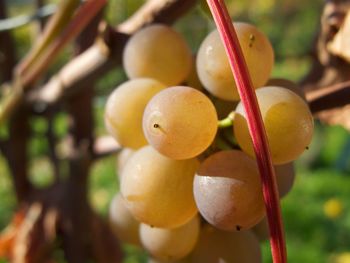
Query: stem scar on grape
157, 126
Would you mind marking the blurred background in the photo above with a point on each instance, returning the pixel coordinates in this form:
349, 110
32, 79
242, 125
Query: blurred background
316, 212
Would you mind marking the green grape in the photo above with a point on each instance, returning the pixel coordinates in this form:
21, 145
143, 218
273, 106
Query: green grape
285, 83
170, 244
227, 191
216, 246
124, 110
158, 190
180, 122
122, 158
158, 52
285, 176
213, 67
288, 123
123, 224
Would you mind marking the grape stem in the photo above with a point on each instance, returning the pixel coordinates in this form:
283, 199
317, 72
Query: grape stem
227, 122
255, 125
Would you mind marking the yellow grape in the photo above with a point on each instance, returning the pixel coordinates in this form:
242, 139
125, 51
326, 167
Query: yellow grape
261, 230
288, 84
170, 244
288, 123
123, 224
122, 158
180, 122
227, 191
285, 176
124, 110
158, 52
158, 190
213, 67
216, 246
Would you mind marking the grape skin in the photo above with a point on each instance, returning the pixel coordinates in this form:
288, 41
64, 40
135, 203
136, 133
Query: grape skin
213, 67
288, 123
170, 244
285, 176
180, 122
124, 110
227, 190
158, 52
216, 246
158, 190
122, 223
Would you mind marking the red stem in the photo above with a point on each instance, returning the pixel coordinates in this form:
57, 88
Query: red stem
256, 127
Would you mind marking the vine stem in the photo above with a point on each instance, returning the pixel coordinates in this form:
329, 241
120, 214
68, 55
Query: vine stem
255, 125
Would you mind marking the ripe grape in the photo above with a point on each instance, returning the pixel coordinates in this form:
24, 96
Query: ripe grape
213, 67
123, 224
288, 123
180, 122
216, 246
285, 83
122, 158
124, 110
261, 230
158, 52
285, 176
170, 244
158, 190
227, 190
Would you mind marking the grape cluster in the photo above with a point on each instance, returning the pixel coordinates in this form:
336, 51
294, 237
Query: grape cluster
190, 189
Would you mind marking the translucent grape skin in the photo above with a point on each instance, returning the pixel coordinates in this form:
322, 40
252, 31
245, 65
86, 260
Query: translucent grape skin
123, 156
288, 123
213, 67
285, 176
158, 52
216, 246
123, 224
180, 122
227, 191
170, 244
124, 110
158, 190
288, 84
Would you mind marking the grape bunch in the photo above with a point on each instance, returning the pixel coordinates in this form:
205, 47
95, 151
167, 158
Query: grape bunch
190, 189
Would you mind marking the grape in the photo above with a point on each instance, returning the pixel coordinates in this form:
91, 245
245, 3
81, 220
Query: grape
122, 158
285, 83
213, 67
170, 244
158, 190
285, 176
288, 123
158, 52
227, 191
192, 79
124, 110
180, 122
261, 230
123, 224
216, 246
